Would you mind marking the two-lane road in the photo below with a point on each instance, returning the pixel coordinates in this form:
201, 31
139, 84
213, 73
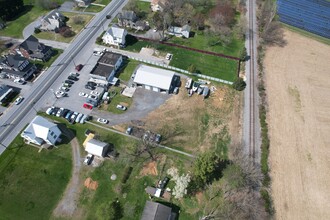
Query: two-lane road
14, 121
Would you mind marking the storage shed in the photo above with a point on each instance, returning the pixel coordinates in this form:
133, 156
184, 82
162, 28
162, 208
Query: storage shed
97, 148
155, 79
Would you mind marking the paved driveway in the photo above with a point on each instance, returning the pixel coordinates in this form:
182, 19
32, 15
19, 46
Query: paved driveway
29, 29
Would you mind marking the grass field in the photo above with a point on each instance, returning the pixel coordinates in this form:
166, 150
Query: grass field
94, 8
118, 99
15, 28
126, 72
75, 27
206, 64
32, 183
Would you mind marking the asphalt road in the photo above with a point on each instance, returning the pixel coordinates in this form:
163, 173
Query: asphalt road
19, 116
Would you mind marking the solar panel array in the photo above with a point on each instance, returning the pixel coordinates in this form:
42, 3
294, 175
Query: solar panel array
309, 15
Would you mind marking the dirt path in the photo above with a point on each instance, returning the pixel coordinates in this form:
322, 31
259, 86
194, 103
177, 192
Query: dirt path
67, 207
298, 89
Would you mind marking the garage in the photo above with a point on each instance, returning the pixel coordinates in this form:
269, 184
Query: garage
153, 78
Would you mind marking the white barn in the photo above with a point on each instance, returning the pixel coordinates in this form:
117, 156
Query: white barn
41, 131
155, 79
97, 148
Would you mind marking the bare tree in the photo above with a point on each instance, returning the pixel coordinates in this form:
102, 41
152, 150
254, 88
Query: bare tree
145, 146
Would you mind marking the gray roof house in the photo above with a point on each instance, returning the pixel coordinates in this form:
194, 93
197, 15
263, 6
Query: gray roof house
157, 211
115, 36
31, 48
183, 31
127, 18
41, 131
106, 66
52, 21
16, 66
4, 92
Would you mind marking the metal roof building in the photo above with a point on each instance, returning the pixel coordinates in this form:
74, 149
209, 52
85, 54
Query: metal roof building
155, 79
97, 148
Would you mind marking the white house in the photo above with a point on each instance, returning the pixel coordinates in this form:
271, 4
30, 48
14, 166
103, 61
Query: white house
97, 148
155, 79
115, 36
183, 31
41, 131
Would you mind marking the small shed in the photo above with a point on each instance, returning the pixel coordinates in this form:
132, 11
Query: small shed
153, 191
96, 147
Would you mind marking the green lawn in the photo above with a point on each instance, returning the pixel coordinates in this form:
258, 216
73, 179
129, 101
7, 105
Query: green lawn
15, 28
94, 8
118, 99
32, 183
75, 27
102, 2
200, 41
126, 72
206, 64
56, 54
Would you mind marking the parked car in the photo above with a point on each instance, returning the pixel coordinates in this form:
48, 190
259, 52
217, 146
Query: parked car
83, 94
65, 89
59, 112
74, 78
50, 110
129, 130
19, 81
65, 111
79, 67
19, 100
121, 107
73, 117
74, 74
176, 90
169, 56
88, 106
83, 119
88, 159
102, 120
66, 85
56, 109
60, 93
164, 182
158, 138
89, 87
69, 82
79, 117
68, 115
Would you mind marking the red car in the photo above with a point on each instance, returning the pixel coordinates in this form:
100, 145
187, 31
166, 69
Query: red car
79, 67
88, 106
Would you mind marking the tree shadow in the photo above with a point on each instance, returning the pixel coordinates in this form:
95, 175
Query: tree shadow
131, 40
26, 9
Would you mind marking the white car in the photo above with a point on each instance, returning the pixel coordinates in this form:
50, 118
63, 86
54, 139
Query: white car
169, 56
102, 120
60, 93
19, 100
78, 118
59, 112
121, 107
82, 94
74, 74
50, 110
19, 81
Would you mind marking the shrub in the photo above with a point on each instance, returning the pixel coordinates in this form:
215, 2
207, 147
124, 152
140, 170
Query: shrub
239, 84
37, 30
66, 32
78, 20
